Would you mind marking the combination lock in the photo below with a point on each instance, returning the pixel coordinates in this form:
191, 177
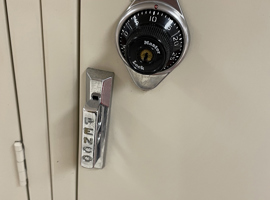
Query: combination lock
152, 38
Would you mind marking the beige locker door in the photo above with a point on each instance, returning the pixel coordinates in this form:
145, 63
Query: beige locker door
203, 133
60, 28
44, 39
9, 119
26, 42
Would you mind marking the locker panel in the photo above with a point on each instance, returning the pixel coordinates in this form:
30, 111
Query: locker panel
26, 41
60, 28
203, 133
9, 119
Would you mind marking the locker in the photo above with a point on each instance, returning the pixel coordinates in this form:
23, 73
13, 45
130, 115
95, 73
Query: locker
201, 133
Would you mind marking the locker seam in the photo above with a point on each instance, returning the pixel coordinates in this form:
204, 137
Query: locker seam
15, 90
46, 95
79, 72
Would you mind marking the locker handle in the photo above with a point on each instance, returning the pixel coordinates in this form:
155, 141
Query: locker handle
96, 113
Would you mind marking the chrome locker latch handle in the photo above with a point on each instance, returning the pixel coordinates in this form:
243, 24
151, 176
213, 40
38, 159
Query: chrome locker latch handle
96, 113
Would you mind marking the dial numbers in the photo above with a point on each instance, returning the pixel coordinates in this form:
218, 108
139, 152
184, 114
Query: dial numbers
159, 19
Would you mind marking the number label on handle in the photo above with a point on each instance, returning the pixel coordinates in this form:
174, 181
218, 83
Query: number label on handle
88, 137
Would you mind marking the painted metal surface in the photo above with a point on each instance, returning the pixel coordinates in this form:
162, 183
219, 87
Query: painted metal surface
204, 132
26, 41
9, 119
60, 29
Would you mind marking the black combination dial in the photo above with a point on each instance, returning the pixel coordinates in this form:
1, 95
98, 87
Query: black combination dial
151, 41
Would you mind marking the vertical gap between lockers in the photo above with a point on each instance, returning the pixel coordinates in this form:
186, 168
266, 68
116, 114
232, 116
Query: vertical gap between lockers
46, 95
79, 72
15, 87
